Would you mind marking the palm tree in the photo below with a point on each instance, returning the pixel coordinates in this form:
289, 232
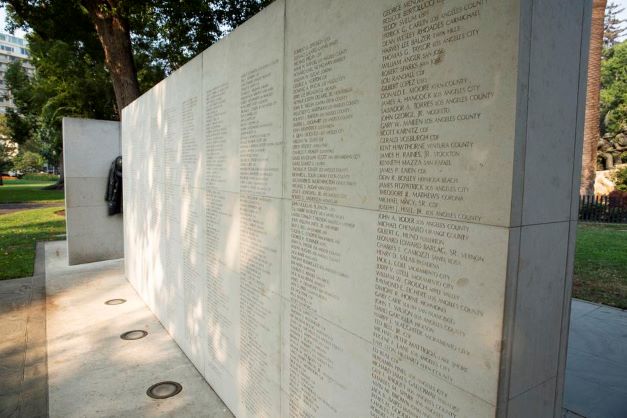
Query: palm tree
592, 121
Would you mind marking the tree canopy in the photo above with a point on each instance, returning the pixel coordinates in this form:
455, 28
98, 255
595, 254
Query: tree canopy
614, 89
139, 41
92, 57
68, 82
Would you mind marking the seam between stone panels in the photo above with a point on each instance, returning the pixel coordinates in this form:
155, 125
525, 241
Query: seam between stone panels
285, 198
283, 112
567, 290
68, 207
507, 327
532, 387
426, 216
282, 211
525, 137
86, 177
577, 113
511, 323
520, 135
439, 379
41, 253
29, 313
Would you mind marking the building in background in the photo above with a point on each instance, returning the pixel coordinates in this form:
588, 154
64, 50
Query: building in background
12, 49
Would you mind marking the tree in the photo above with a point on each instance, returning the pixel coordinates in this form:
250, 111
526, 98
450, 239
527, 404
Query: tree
592, 118
161, 35
28, 162
113, 29
4, 160
614, 90
614, 26
94, 57
68, 82
6, 151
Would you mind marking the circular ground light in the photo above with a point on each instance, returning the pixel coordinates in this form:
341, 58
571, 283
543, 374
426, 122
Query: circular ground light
136, 334
115, 301
164, 390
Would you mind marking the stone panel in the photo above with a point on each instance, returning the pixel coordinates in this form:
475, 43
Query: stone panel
343, 208
89, 148
387, 109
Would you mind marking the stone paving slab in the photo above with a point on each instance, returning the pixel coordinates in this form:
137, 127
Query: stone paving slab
92, 372
596, 371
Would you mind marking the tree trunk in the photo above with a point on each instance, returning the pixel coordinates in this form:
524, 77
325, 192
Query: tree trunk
60, 183
114, 34
592, 120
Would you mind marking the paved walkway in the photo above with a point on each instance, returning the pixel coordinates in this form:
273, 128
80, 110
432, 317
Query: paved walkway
94, 373
596, 373
6, 208
23, 379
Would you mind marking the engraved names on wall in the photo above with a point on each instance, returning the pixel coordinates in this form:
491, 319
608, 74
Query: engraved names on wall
336, 193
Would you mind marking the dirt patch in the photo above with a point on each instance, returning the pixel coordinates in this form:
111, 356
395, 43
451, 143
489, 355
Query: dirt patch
60, 212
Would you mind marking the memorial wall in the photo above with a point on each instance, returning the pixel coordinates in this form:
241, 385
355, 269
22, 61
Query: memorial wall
366, 208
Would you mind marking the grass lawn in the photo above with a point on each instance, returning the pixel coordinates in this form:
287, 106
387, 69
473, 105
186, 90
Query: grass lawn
18, 191
19, 231
601, 264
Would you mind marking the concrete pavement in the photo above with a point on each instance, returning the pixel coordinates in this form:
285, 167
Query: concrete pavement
596, 370
92, 371
23, 368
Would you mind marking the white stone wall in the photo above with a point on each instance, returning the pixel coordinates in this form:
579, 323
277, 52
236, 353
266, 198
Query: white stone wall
89, 148
356, 208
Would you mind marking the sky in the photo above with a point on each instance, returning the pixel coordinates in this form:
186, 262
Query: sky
20, 33
622, 5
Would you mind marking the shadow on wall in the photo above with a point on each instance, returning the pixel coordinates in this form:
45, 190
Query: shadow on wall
175, 257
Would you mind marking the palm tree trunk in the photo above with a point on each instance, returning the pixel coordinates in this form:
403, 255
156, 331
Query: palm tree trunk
592, 120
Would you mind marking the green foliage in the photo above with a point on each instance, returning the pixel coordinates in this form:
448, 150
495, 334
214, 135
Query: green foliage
20, 126
5, 151
38, 177
68, 82
28, 162
70, 75
620, 179
168, 33
165, 34
5, 162
614, 89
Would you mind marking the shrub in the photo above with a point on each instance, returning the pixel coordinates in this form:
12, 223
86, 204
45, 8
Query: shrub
28, 162
620, 179
41, 177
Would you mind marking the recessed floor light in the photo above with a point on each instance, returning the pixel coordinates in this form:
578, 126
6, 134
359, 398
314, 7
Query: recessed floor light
136, 334
115, 301
164, 390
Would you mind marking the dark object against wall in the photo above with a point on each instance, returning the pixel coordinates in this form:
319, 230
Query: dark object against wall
114, 187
